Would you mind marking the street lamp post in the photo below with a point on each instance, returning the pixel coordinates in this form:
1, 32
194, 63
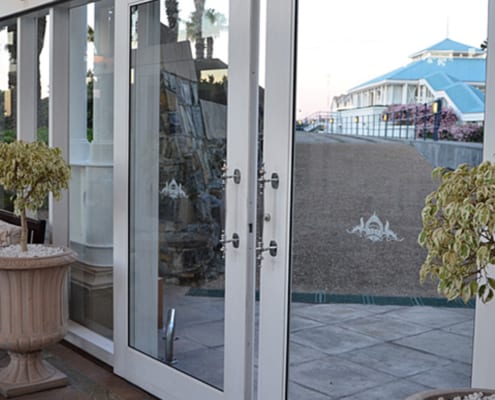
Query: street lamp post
437, 111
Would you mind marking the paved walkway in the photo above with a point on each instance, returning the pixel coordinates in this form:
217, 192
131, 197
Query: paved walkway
344, 351
337, 351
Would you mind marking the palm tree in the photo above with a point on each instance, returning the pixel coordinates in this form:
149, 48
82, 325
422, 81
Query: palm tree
215, 22
205, 23
197, 18
172, 10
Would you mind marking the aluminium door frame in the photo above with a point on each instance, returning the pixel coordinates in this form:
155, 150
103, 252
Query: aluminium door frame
150, 374
277, 158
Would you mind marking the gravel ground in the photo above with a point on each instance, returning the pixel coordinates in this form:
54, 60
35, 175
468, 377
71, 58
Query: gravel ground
338, 182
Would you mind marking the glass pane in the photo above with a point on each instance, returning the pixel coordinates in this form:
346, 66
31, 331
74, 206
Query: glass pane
8, 85
43, 89
362, 325
43, 53
91, 155
177, 147
8, 82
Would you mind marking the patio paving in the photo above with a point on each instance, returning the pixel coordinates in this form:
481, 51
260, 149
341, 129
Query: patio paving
337, 351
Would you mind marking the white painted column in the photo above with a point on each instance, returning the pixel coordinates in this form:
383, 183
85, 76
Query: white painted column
58, 116
484, 345
92, 186
404, 93
102, 145
26, 78
79, 146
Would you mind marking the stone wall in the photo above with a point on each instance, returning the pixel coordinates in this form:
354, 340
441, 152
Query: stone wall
191, 198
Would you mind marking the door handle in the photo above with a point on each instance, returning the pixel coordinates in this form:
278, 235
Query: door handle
272, 249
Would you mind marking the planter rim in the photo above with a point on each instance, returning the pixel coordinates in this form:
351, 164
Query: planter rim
433, 394
67, 256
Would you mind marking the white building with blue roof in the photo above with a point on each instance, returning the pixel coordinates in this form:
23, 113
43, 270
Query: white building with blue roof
449, 70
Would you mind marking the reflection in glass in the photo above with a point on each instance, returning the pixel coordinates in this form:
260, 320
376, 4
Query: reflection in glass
8, 85
178, 108
360, 319
91, 156
43, 56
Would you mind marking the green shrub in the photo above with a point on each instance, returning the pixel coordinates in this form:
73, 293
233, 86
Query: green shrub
458, 232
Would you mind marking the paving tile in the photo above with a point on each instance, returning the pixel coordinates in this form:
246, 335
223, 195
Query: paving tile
455, 374
298, 392
209, 334
389, 391
336, 377
332, 339
442, 344
394, 360
299, 353
464, 328
205, 365
384, 327
197, 313
298, 322
432, 317
332, 313
183, 345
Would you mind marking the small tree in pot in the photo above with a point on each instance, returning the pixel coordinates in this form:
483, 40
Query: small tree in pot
31, 171
458, 232
32, 283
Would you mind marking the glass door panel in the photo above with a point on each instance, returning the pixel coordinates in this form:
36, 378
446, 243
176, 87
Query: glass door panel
178, 115
360, 324
91, 91
183, 313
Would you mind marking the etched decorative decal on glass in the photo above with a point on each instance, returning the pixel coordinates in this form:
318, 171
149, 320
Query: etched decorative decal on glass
374, 230
366, 143
173, 190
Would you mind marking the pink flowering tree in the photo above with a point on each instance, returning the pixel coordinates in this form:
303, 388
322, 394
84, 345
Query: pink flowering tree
450, 127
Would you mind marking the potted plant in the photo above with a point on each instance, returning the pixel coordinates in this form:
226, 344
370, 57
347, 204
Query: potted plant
458, 233
33, 278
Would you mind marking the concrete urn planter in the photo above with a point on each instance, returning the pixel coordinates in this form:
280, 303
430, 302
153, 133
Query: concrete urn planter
33, 315
449, 394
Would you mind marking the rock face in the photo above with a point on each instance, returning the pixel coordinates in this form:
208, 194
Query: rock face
191, 206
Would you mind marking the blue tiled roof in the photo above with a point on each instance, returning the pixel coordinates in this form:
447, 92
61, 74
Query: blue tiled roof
452, 76
461, 69
448, 44
439, 80
466, 98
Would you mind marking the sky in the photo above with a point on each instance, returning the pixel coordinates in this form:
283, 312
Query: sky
344, 43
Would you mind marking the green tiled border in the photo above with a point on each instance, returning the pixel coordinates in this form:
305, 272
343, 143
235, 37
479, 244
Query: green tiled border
326, 298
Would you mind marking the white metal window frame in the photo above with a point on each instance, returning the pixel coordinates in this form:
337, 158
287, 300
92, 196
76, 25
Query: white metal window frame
275, 273
148, 373
272, 362
58, 70
484, 324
